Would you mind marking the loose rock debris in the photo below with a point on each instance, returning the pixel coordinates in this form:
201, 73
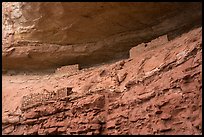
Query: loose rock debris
126, 97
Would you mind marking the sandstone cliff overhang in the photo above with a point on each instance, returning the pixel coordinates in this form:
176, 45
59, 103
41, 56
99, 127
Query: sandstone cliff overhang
44, 35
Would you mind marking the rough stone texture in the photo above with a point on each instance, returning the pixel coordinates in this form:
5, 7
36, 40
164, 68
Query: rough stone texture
161, 94
71, 69
44, 35
135, 51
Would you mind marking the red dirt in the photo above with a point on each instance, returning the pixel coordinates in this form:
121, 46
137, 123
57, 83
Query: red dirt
158, 91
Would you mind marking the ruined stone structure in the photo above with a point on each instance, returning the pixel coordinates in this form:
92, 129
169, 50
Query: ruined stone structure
49, 35
118, 68
158, 92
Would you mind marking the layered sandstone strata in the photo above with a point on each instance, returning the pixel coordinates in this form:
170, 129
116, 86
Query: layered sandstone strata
44, 35
157, 92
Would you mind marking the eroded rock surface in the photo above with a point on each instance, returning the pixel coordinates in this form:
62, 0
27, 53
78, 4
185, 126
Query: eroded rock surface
45, 35
157, 92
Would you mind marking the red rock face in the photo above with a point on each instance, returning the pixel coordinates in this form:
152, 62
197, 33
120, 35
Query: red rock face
44, 35
157, 92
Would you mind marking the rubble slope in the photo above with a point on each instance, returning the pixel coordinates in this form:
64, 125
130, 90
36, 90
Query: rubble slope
158, 90
86, 33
